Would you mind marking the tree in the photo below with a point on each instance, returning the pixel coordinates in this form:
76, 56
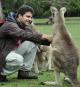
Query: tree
1, 13
42, 7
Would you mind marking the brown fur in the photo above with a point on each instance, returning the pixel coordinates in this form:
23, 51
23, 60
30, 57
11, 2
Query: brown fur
66, 58
64, 50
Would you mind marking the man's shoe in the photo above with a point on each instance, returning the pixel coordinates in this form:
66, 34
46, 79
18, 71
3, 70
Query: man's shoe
3, 78
26, 75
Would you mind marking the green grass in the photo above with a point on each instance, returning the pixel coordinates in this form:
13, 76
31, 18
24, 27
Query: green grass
49, 75
73, 25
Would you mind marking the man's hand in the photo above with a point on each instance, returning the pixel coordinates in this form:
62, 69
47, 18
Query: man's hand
48, 37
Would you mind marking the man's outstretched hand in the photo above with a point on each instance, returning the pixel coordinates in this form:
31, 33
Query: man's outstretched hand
47, 38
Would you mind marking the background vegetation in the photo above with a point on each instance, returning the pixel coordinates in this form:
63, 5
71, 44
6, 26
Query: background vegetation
42, 7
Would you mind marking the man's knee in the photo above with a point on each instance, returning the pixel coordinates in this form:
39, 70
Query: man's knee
14, 59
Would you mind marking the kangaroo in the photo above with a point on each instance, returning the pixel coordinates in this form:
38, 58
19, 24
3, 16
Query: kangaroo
66, 58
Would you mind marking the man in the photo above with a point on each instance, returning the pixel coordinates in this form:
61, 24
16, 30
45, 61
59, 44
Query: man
18, 45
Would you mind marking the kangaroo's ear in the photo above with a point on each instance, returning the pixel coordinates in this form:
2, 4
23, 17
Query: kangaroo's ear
63, 10
53, 10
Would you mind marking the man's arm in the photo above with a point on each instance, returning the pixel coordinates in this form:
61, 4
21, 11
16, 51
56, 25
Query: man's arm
14, 31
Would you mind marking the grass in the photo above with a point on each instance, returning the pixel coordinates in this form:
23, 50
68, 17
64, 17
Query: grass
73, 25
49, 75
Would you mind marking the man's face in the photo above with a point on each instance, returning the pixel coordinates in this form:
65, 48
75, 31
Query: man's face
26, 19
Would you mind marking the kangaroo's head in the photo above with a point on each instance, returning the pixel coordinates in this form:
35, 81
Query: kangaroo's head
58, 14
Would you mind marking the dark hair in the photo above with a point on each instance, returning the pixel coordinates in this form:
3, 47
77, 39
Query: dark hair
23, 9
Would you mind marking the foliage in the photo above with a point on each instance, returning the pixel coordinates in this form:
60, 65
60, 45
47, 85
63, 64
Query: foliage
42, 7
73, 6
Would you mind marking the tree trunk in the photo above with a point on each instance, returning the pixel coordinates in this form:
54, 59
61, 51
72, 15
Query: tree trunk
1, 13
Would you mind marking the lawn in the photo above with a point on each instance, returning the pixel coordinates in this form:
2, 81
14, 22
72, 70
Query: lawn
73, 25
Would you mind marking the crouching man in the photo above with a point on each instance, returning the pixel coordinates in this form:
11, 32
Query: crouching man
18, 45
